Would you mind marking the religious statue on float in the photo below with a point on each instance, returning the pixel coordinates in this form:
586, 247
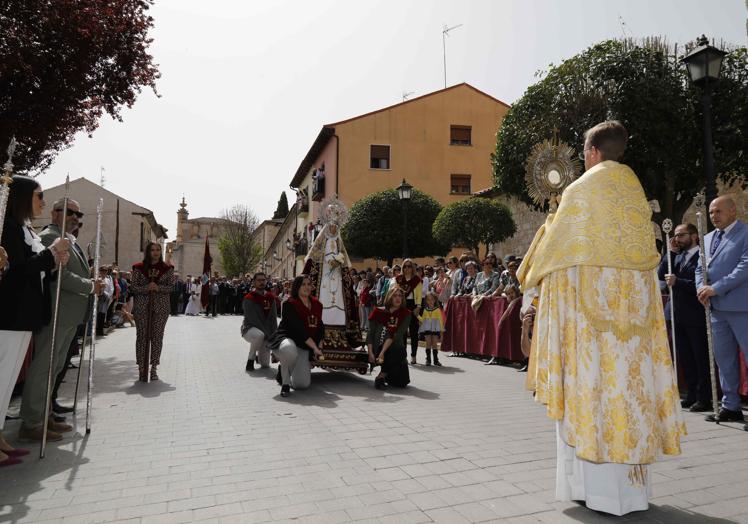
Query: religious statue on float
328, 267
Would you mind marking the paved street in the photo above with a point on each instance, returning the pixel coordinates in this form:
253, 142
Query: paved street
209, 443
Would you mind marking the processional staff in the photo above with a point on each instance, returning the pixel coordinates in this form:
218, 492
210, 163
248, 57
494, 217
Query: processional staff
667, 227
92, 350
699, 202
48, 399
5, 181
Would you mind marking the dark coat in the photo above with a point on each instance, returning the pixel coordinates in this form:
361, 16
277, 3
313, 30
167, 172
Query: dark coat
688, 309
25, 299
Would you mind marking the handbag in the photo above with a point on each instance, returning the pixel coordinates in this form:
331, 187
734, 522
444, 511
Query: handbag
476, 302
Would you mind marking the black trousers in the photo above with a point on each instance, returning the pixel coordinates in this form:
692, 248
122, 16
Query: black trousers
693, 359
413, 328
73, 350
212, 306
174, 303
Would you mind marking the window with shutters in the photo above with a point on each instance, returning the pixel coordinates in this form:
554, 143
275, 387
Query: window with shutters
460, 135
459, 185
379, 157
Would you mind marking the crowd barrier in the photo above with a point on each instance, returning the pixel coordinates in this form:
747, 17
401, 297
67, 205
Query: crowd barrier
478, 332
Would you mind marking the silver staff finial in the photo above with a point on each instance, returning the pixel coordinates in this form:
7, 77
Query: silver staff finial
667, 225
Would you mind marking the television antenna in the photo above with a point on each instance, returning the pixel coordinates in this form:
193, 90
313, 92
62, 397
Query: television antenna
102, 179
406, 95
445, 34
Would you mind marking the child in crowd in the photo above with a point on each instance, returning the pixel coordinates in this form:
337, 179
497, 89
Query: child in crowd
431, 327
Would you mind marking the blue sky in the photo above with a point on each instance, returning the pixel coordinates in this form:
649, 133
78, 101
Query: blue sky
246, 86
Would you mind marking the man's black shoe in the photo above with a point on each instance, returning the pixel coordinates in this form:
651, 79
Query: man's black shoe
725, 415
60, 409
700, 407
58, 418
685, 404
250, 365
285, 390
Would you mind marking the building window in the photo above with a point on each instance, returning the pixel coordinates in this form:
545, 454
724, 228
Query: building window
380, 157
459, 185
460, 135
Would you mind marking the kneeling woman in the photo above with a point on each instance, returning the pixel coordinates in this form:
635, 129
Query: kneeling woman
388, 327
299, 336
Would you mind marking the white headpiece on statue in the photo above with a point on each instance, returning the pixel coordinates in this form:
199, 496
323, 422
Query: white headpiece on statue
334, 211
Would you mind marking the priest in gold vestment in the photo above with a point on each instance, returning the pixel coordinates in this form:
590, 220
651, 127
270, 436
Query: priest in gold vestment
600, 359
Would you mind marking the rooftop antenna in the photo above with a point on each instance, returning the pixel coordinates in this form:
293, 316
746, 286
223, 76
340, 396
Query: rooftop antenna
406, 95
445, 34
622, 23
102, 179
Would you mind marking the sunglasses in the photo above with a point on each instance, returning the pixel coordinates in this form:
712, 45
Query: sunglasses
71, 212
408, 267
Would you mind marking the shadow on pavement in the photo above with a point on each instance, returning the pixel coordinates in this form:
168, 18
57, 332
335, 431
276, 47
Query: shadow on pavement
445, 370
655, 514
150, 389
33, 471
330, 387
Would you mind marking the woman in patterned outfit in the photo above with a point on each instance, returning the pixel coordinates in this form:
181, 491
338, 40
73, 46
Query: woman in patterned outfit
152, 281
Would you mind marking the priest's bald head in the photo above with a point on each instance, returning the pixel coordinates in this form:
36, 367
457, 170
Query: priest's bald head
606, 141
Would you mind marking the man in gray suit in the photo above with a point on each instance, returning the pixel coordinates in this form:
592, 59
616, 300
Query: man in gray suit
77, 286
727, 294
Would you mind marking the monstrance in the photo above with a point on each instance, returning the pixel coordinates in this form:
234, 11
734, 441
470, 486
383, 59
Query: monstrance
551, 167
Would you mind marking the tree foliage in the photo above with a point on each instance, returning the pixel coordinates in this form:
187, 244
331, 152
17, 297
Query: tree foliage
63, 64
469, 223
281, 210
375, 226
646, 87
239, 252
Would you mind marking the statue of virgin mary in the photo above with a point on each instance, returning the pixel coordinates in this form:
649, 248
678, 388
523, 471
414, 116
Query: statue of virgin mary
328, 266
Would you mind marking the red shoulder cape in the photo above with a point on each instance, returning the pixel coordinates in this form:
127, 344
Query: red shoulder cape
155, 272
312, 318
391, 321
408, 285
264, 301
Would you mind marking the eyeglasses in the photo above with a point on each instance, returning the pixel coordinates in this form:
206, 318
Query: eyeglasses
678, 235
581, 155
71, 212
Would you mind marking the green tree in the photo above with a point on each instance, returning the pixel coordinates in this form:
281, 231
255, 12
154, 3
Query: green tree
646, 87
281, 210
472, 222
63, 64
375, 226
239, 252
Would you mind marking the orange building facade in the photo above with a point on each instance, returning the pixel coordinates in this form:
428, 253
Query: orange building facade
441, 143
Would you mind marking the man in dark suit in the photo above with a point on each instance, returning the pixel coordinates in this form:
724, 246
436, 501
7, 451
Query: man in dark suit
690, 321
176, 295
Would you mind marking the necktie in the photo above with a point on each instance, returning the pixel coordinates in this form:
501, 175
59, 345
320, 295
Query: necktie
679, 260
716, 241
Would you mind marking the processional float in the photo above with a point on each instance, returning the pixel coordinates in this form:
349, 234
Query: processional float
343, 347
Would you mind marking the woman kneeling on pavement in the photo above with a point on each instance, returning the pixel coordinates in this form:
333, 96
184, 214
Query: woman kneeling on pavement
299, 337
388, 327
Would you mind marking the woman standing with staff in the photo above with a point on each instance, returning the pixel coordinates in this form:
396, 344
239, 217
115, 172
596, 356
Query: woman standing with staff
152, 283
25, 300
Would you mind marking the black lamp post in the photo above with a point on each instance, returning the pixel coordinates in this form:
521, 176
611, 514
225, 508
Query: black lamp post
405, 190
704, 63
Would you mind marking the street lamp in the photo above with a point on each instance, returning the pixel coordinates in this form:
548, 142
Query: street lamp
704, 64
404, 191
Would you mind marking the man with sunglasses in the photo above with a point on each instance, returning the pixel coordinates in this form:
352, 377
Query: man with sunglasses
77, 286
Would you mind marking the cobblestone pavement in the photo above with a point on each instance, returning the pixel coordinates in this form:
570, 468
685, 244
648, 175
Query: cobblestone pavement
211, 443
